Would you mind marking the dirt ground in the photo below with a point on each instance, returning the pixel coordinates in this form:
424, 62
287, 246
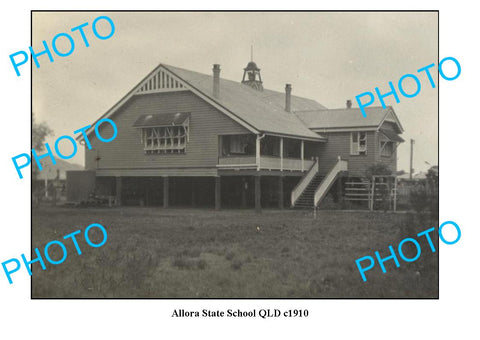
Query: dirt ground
201, 253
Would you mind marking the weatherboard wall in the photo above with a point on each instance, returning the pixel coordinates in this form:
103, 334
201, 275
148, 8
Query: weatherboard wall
390, 161
125, 156
338, 144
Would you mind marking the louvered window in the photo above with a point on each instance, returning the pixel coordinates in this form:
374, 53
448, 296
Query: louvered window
358, 143
167, 139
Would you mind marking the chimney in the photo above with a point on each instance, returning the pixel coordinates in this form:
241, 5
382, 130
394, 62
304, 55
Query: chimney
216, 80
349, 104
288, 97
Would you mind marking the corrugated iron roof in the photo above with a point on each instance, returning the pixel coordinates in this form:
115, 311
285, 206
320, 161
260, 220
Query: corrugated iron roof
264, 110
392, 136
162, 119
343, 118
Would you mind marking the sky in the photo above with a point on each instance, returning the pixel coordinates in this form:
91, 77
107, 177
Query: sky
326, 56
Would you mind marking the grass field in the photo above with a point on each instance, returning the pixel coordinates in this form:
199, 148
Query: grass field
190, 253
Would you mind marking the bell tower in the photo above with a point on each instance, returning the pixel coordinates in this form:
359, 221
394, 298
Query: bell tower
251, 75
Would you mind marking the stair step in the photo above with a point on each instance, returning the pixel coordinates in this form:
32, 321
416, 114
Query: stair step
306, 199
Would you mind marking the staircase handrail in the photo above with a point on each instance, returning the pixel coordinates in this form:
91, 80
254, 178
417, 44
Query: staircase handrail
304, 182
341, 165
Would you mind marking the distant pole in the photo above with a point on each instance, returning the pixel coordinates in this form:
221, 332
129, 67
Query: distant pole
411, 157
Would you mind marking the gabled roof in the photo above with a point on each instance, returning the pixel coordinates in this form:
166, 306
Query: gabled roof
264, 110
392, 136
258, 111
348, 118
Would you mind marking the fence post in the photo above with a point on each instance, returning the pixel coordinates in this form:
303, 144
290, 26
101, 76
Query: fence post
373, 193
395, 195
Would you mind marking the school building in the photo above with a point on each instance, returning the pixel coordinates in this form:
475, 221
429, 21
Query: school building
192, 139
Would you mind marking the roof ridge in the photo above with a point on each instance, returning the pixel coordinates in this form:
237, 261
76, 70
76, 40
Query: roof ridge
266, 96
256, 111
234, 82
344, 108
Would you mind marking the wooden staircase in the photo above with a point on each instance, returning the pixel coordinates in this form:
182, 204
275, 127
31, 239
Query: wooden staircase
313, 188
306, 199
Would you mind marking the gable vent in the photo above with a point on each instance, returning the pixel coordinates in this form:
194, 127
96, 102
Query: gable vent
161, 81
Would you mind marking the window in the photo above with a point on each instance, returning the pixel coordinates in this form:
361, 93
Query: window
388, 141
386, 148
163, 133
292, 148
270, 146
165, 139
358, 143
238, 145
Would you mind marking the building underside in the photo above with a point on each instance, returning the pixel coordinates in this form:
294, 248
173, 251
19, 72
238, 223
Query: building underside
230, 189
234, 189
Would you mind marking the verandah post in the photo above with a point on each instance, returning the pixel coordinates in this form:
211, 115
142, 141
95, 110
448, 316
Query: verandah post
302, 154
257, 152
281, 153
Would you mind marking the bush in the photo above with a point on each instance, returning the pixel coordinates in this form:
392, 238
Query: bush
432, 185
424, 197
377, 169
419, 198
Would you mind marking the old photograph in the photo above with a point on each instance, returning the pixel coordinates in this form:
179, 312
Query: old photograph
235, 154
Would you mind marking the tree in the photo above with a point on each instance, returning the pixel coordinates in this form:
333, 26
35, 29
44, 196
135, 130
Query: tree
432, 187
40, 131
